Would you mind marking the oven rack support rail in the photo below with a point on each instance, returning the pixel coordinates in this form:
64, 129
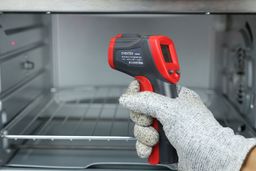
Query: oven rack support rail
68, 137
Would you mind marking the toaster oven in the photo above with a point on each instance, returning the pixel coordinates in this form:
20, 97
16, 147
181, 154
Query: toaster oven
59, 98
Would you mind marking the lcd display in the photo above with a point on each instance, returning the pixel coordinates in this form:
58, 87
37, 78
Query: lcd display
166, 53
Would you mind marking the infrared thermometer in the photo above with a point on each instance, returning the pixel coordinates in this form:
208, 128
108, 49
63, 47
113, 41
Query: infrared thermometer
152, 60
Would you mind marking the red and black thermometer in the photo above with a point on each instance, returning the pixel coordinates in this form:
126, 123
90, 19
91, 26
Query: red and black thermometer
153, 61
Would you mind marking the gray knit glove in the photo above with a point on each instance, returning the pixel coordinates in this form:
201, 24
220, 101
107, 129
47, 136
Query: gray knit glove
201, 142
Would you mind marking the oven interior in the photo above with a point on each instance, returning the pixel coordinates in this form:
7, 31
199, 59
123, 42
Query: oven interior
59, 98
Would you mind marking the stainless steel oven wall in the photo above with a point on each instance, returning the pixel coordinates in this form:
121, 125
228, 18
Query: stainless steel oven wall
238, 72
25, 65
81, 42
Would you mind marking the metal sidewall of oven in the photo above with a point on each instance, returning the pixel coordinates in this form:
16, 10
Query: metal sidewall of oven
26, 68
237, 69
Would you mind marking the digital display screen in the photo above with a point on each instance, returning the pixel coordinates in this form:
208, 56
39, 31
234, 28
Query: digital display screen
166, 53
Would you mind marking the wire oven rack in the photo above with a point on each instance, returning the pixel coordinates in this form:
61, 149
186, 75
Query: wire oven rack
87, 113
85, 127
93, 113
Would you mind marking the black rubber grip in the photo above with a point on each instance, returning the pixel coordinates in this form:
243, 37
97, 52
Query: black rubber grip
168, 154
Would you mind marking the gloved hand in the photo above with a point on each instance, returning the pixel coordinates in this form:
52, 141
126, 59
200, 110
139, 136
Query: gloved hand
201, 142
146, 135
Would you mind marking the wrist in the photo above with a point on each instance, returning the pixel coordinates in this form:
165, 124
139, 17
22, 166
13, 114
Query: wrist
250, 161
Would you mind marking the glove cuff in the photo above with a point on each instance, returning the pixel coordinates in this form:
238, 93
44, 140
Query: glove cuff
240, 148
208, 153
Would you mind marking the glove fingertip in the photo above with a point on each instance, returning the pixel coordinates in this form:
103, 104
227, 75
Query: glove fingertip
131, 102
124, 100
141, 119
133, 87
143, 151
147, 135
143, 102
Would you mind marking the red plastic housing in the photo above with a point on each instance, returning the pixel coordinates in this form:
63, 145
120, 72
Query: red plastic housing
163, 67
145, 85
111, 50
